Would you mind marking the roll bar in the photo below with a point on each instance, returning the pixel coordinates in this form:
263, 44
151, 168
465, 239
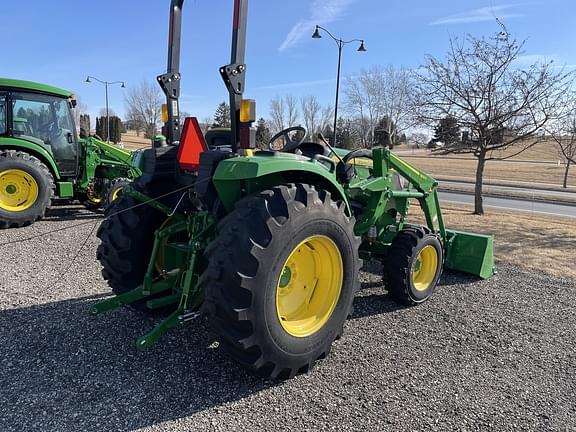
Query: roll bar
233, 74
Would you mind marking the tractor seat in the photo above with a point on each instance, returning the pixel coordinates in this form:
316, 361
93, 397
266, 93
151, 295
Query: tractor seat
311, 149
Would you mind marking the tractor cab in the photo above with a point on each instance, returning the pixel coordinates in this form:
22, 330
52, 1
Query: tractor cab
41, 116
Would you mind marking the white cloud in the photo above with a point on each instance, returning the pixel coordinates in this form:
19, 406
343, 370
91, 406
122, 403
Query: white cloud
321, 12
479, 15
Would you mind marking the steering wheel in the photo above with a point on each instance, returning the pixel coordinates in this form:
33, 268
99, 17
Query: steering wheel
358, 153
46, 127
290, 145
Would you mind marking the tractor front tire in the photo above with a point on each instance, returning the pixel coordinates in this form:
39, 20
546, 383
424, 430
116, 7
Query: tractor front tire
26, 189
413, 266
281, 279
115, 190
127, 238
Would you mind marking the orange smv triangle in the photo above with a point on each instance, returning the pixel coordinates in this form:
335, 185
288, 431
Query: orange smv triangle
192, 143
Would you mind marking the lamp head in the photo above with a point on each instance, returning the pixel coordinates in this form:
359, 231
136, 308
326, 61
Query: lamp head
317, 34
88, 79
123, 85
362, 48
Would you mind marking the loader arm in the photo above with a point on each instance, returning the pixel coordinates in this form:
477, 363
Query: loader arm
427, 186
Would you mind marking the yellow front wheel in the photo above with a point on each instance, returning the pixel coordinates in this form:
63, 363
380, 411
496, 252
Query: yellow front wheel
18, 190
115, 190
26, 189
413, 266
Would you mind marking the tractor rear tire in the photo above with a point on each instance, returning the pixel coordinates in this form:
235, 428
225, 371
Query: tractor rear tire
281, 279
413, 266
26, 189
127, 238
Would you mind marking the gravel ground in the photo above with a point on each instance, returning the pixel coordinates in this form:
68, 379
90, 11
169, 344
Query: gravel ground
497, 354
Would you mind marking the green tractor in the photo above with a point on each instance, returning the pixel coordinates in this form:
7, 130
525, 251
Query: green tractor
268, 244
41, 157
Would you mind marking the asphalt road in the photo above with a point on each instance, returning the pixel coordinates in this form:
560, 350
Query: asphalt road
537, 207
480, 355
569, 194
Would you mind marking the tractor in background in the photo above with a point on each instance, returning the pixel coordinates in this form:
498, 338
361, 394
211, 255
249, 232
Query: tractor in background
268, 244
42, 158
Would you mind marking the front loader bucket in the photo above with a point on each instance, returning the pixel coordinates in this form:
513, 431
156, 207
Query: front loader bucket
470, 253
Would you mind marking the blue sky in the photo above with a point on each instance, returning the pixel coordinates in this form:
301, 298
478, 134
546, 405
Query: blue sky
60, 42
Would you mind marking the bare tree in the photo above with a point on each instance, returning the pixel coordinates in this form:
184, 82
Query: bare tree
144, 102
327, 118
292, 113
499, 104
205, 124
419, 139
133, 121
362, 105
380, 92
563, 132
277, 108
311, 109
397, 100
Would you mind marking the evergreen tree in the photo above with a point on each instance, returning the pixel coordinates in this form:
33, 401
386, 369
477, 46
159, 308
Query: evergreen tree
222, 116
263, 134
447, 131
344, 133
98, 127
115, 129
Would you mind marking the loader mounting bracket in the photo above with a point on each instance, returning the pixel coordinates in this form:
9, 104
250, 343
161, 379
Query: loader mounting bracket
233, 76
170, 83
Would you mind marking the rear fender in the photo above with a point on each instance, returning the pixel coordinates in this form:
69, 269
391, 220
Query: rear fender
240, 176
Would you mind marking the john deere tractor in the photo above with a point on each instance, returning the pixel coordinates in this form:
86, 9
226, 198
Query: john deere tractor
268, 244
41, 157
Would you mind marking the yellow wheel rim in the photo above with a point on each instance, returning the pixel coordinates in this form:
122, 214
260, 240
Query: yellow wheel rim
424, 268
116, 193
309, 286
93, 198
18, 190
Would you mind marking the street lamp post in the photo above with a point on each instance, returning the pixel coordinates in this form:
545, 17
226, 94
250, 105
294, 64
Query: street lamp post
106, 84
340, 43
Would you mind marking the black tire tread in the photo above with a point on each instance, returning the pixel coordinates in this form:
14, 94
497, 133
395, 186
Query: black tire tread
397, 268
226, 281
126, 239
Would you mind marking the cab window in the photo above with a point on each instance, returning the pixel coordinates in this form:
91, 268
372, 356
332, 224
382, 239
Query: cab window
45, 120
